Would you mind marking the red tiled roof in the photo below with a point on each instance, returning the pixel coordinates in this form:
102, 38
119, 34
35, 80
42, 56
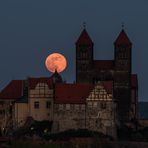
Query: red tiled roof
77, 93
34, 81
134, 81
122, 39
13, 90
64, 93
108, 86
103, 64
84, 38
72, 93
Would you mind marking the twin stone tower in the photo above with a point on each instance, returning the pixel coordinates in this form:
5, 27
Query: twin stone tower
118, 70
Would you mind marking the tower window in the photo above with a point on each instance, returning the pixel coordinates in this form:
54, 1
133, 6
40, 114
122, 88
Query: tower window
36, 105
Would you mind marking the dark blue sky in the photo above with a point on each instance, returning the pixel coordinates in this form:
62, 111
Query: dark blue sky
32, 29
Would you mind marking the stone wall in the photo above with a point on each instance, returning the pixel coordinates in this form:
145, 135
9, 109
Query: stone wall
69, 116
21, 112
102, 119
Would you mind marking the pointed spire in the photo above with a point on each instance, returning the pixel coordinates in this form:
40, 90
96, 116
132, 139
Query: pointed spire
56, 77
122, 38
84, 25
56, 71
122, 25
84, 38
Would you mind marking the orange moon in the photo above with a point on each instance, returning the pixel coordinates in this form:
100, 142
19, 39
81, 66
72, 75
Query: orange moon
56, 62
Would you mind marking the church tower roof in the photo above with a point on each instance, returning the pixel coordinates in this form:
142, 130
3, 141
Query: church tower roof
84, 38
122, 39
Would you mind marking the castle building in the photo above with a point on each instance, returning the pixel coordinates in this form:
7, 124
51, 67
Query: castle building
104, 97
118, 70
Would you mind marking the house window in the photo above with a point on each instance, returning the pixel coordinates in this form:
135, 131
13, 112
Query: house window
103, 105
83, 107
67, 106
61, 106
89, 104
95, 104
36, 105
48, 104
77, 106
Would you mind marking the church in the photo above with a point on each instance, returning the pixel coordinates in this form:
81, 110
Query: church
118, 71
103, 98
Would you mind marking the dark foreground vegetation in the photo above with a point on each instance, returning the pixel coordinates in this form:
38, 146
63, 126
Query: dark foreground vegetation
38, 134
128, 134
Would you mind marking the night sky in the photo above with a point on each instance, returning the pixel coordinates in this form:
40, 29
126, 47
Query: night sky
32, 29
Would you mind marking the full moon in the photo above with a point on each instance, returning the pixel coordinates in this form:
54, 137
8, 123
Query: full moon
56, 62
